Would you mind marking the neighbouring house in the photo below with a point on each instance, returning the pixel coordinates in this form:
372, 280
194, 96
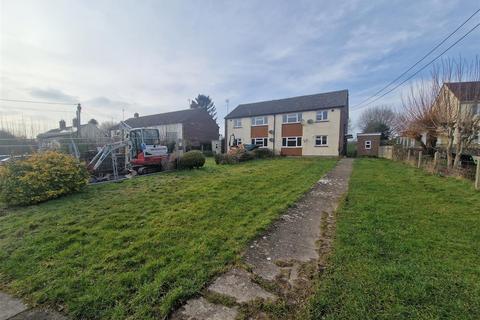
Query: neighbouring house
72, 138
186, 129
368, 144
464, 97
311, 125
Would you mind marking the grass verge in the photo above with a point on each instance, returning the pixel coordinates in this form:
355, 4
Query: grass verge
138, 248
407, 247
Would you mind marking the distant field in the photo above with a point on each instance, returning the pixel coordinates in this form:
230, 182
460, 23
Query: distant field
407, 247
137, 248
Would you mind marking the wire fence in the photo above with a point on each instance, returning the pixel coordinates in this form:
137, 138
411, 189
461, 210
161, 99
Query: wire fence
437, 162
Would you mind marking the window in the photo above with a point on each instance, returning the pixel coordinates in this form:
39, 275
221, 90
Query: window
237, 141
292, 142
237, 123
476, 109
321, 141
259, 121
368, 144
322, 115
292, 118
262, 142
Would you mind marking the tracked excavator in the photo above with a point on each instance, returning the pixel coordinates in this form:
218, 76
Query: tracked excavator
144, 153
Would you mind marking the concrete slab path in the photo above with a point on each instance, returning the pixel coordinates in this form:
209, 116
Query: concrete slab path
14, 309
301, 236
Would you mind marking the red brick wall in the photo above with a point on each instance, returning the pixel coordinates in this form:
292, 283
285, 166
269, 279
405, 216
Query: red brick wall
361, 151
291, 151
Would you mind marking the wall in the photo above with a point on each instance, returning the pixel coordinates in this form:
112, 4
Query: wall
361, 151
385, 152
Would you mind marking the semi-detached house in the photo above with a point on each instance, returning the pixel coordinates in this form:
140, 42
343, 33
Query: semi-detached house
311, 125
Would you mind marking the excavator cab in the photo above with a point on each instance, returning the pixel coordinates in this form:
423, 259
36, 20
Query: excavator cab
145, 148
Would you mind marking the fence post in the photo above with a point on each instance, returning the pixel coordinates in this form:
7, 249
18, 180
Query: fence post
477, 175
435, 161
419, 159
408, 155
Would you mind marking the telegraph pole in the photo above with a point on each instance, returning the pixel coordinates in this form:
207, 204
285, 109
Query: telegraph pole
79, 109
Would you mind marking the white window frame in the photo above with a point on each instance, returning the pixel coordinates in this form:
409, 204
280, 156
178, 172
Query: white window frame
237, 123
263, 140
237, 141
320, 137
292, 117
263, 121
297, 140
369, 143
321, 116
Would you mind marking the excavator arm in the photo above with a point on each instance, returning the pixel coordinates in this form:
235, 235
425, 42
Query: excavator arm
104, 153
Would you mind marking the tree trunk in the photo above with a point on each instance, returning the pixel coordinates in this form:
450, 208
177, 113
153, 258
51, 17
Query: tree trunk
449, 150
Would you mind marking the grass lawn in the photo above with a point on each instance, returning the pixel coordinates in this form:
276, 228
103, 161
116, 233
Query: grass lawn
136, 249
407, 247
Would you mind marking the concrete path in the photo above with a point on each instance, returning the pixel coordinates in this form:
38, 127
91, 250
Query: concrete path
281, 263
14, 309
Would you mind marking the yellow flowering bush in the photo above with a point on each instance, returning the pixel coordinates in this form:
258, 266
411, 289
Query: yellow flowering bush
41, 177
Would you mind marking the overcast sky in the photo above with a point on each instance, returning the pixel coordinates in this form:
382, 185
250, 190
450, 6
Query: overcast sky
152, 56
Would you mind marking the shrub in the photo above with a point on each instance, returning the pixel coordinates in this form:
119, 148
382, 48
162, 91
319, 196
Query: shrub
262, 153
245, 156
223, 158
192, 159
41, 177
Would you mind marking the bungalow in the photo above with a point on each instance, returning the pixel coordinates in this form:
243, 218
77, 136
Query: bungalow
311, 125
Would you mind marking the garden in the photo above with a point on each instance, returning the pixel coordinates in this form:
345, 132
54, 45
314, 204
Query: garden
138, 248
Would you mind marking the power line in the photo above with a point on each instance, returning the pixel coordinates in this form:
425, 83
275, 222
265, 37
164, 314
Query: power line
423, 58
40, 102
9, 108
358, 106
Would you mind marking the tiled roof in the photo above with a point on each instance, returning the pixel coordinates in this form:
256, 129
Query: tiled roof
164, 118
295, 104
465, 91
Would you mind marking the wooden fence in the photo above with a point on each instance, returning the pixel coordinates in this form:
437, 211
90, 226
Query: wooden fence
437, 163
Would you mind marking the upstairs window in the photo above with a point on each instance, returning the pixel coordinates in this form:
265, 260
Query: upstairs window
237, 123
322, 115
259, 121
368, 144
292, 118
321, 141
292, 142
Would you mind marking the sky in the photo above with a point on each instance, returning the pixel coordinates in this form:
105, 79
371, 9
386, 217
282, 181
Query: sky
121, 57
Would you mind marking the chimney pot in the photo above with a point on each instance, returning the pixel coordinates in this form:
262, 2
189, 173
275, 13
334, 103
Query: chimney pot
136, 115
62, 124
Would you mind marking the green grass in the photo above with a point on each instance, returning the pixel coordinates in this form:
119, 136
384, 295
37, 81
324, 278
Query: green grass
407, 247
137, 249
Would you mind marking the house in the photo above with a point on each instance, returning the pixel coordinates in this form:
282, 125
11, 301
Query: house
311, 125
462, 101
368, 144
56, 138
187, 129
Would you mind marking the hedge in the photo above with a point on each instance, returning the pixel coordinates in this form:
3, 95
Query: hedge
41, 177
191, 159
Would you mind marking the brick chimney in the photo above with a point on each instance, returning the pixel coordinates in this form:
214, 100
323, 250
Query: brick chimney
136, 115
62, 124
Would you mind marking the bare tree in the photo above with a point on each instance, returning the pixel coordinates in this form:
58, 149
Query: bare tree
416, 120
378, 119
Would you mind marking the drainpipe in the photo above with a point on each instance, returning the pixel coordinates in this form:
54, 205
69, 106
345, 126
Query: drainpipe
274, 131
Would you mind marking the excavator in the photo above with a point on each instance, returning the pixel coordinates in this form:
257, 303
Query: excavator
144, 152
